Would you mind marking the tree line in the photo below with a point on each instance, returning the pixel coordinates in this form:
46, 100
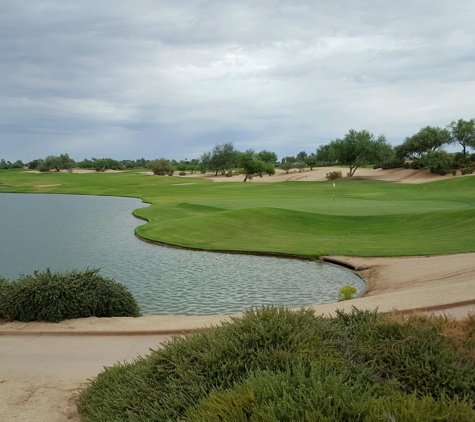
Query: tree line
355, 149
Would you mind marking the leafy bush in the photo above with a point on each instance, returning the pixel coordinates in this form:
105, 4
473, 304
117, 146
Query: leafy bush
273, 364
346, 293
4, 285
230, 173
56, 296
182, 173
392, 164
332, 175
416, 164
439, 162
467, 170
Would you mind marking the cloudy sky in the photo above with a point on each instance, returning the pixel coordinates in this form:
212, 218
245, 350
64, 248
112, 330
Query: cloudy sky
154, 78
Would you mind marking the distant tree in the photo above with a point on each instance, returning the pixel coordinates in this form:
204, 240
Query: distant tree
287, 166
85, 164
356, 149
160, 166
205, 160
63, 162
18, 164
3, 164
429, 138
300, 165
311, 160
223, 157
33, 164
462, 132
267, 156
301, 156
289, 159
249, 161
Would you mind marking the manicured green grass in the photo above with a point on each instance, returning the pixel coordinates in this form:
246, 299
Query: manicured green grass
366, 218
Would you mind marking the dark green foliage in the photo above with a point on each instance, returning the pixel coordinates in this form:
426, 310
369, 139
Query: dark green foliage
392, 164
467, 170
439, 162
4, 286
56, 296
277, 365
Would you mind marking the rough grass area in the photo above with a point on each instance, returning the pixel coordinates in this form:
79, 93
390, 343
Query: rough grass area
273, 364
56, 296
366, 218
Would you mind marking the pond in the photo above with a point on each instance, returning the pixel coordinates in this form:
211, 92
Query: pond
65, 232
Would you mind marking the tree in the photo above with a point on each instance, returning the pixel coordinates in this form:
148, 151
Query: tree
63, 162
311, 160
429, 138
204, 161
252, 165
160, 166
223, 157
463, 132
267, 156
287, 166
301, 156
356, 149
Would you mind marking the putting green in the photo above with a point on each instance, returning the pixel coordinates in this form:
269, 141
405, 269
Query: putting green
367, 217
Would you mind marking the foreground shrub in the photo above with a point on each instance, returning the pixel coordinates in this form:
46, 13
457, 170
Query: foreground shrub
56, 296
4, 285
273, 364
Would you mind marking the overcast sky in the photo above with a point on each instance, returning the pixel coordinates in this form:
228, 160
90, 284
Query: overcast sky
154, 78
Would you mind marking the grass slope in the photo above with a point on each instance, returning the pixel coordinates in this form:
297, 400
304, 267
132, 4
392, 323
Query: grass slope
366, 218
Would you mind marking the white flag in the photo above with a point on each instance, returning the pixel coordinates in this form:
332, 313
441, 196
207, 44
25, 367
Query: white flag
334, 184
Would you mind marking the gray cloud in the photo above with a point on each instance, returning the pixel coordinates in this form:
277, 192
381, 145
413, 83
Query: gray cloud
154, 79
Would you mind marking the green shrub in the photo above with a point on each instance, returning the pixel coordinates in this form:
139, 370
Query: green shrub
230, 173
273, 364
407, 165
182, 173
467, 170
416, 164
439, 162
4, 285
56, 296
346, 293
392, 164
332, 175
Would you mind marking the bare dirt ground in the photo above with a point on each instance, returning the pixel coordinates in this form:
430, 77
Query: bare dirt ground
44, 366
318, 174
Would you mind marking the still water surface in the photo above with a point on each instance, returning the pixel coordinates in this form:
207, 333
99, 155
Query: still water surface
63, 232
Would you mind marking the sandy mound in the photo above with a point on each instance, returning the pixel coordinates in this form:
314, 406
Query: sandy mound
318, 174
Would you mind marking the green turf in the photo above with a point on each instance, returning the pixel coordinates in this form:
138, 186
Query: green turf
366, 218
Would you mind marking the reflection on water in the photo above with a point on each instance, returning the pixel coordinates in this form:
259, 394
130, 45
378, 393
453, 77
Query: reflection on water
63, 232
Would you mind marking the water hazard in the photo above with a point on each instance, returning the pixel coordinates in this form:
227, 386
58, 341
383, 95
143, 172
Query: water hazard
63, 232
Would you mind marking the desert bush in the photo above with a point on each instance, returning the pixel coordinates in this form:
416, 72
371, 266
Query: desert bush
229, 173
346, 293
467, 170
273, 364
56, 296
392, 164
332, 175
4, 285
182, 173
416, 164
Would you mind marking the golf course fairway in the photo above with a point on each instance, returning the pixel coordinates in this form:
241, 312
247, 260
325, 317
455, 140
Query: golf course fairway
364, 218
